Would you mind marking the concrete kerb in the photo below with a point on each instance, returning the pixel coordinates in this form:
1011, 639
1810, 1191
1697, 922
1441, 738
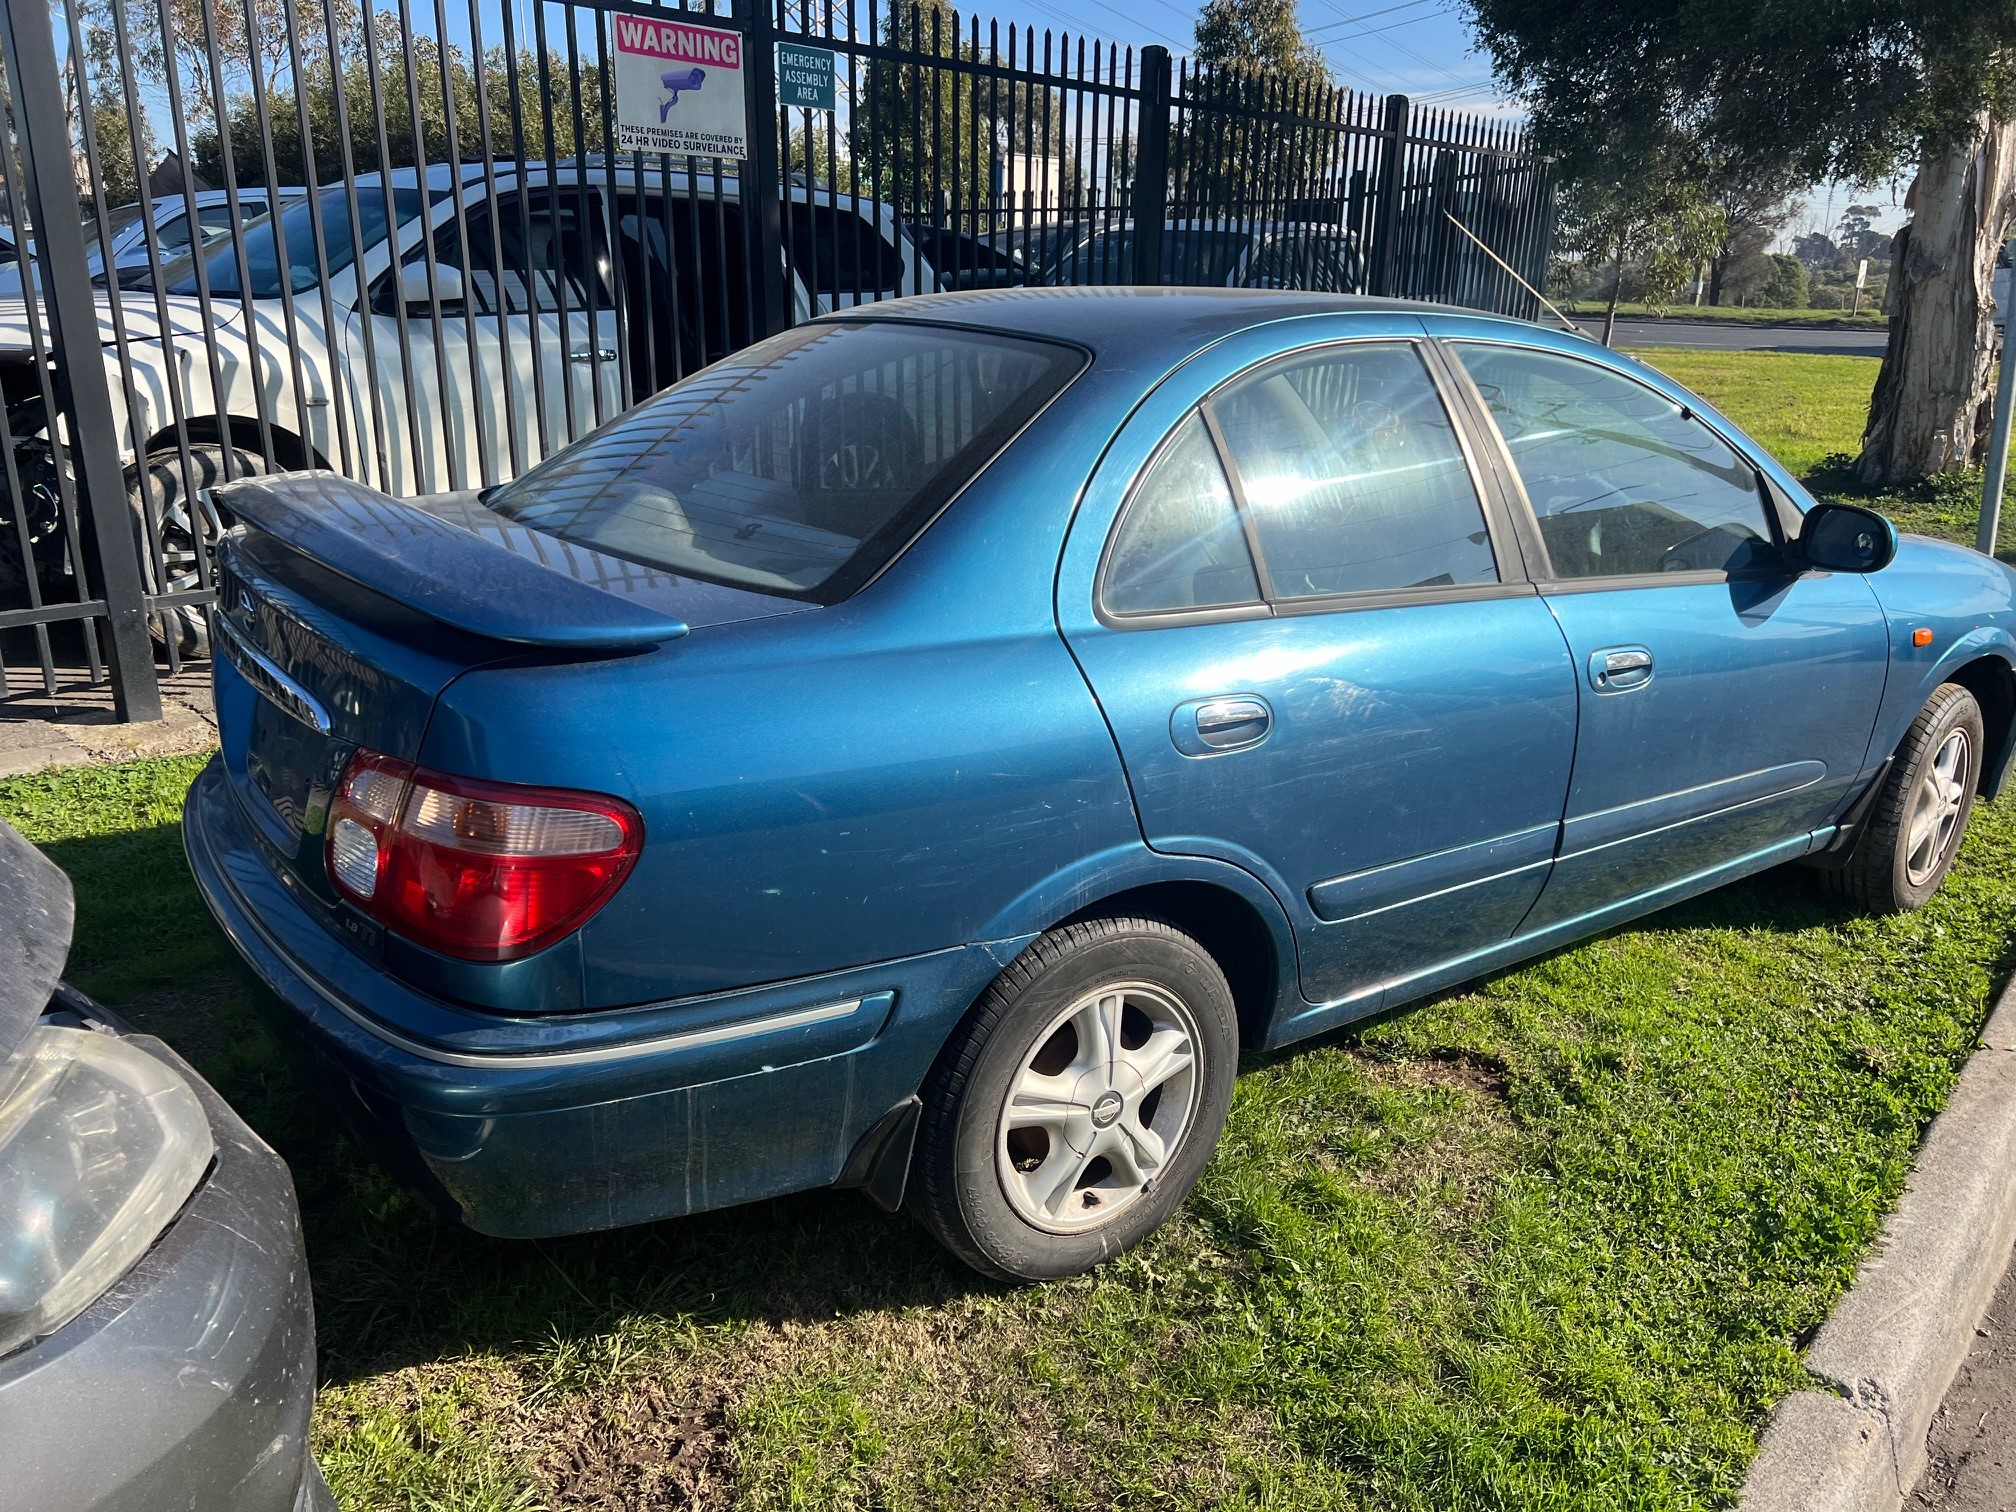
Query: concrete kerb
1894, 1343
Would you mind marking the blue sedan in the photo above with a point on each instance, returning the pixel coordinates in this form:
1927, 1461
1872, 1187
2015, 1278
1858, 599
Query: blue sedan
919, 752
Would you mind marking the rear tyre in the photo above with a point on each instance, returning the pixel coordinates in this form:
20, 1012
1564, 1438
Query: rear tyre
157, 493
1077, 1105
1914, 828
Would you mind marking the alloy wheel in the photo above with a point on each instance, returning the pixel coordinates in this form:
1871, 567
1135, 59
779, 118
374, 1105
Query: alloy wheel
1936, 807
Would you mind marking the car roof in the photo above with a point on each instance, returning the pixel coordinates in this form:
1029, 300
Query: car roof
1142, 324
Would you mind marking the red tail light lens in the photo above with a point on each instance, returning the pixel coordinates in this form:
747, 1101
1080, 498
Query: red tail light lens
487, 871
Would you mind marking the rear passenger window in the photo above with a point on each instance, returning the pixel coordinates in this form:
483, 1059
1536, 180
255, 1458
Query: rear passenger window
1622, 480
1181, 546
1351, 472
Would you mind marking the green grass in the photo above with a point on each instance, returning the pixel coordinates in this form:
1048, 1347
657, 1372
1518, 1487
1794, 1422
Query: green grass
1801, 407
1549, 1242
1730, 314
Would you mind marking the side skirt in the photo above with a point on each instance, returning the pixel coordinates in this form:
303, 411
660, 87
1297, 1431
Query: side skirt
1319, 1017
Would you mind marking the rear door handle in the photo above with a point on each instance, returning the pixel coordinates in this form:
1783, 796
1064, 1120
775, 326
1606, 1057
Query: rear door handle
1619, 669
1210, 726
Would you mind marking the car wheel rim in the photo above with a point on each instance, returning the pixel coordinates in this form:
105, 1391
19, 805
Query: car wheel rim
1099, 1107
1936, 806
180, 551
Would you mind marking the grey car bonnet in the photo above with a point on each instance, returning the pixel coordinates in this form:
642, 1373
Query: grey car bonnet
36, 915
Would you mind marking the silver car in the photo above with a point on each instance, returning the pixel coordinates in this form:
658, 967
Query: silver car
157, 1336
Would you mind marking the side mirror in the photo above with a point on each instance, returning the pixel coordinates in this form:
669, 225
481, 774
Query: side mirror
1845, 538
413, 285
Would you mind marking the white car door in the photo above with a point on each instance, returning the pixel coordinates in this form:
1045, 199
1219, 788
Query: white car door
523, 358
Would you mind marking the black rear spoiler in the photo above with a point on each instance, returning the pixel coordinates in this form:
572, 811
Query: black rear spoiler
445, 572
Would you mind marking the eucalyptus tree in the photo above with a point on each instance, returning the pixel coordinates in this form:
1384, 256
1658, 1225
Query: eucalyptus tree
1860, 90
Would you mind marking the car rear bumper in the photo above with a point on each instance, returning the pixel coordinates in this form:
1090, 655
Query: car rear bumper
189, 1384
527, 1127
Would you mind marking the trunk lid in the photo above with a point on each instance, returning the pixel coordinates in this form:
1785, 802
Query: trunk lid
342, 614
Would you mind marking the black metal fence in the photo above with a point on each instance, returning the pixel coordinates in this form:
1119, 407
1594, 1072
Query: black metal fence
426, 242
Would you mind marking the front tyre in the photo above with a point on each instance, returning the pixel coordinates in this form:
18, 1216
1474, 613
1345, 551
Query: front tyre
1077, 1105
1914, 828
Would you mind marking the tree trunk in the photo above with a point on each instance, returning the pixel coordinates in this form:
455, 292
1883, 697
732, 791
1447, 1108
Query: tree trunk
1716, 266
1928, 412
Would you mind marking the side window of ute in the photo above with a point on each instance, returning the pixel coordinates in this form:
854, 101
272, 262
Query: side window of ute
1622, 480
544, 257
1352, 476
1180, 545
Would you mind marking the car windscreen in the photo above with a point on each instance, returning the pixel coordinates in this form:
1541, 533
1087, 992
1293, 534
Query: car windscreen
296, 228
799, 466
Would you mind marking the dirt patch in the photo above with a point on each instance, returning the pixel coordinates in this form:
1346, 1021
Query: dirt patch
1464, 1070
643, 1451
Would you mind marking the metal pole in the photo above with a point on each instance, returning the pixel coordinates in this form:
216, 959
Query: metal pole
1392, 172
83, 393
762, 178
1998, 437
1150, 194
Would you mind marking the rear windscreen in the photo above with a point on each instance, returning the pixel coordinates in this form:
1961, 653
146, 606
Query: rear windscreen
801, 465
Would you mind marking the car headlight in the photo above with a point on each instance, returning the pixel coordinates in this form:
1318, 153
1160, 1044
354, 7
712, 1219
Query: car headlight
100, 1145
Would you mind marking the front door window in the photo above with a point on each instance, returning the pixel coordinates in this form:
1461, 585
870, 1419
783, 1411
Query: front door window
1623, 481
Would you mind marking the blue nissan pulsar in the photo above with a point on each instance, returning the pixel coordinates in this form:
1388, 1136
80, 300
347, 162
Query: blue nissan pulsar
921, 751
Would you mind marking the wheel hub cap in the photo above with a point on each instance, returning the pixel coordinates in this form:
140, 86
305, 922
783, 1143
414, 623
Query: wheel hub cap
1101, 1104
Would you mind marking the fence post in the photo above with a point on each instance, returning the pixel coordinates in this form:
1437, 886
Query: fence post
1392, 173
1150, 194
763, 179
1543, 253
83, 395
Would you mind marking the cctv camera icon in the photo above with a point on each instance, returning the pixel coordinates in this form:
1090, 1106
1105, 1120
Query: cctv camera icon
687, 79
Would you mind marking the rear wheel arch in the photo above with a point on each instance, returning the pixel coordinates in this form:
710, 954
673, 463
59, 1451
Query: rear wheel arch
1228, 925
290, 451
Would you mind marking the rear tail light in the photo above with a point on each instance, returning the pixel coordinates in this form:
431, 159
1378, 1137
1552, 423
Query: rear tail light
487, 871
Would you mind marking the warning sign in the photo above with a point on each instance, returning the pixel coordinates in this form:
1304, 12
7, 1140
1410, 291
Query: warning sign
679, 88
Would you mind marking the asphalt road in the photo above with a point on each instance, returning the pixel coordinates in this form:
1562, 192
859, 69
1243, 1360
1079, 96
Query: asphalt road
1741, 338
1972, 1444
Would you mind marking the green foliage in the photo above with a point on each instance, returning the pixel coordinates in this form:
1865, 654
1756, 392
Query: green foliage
1786, 288
1656, 220
410, 68
930, 138
1260, 36
1255, 47
1851, 90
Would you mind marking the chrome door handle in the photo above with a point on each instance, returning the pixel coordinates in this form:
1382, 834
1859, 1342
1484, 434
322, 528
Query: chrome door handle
592, 354
1205, 726
1619, 669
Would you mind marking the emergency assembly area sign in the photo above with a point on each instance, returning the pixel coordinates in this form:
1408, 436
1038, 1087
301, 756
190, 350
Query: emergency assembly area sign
679, 88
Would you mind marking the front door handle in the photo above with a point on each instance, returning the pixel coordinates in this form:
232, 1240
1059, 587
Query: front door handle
1619, 669
1231, 722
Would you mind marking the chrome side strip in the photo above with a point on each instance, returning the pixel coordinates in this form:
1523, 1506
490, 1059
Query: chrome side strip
264, 674
505, 1060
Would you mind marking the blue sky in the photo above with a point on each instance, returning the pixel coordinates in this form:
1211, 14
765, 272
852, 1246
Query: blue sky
1421, 48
